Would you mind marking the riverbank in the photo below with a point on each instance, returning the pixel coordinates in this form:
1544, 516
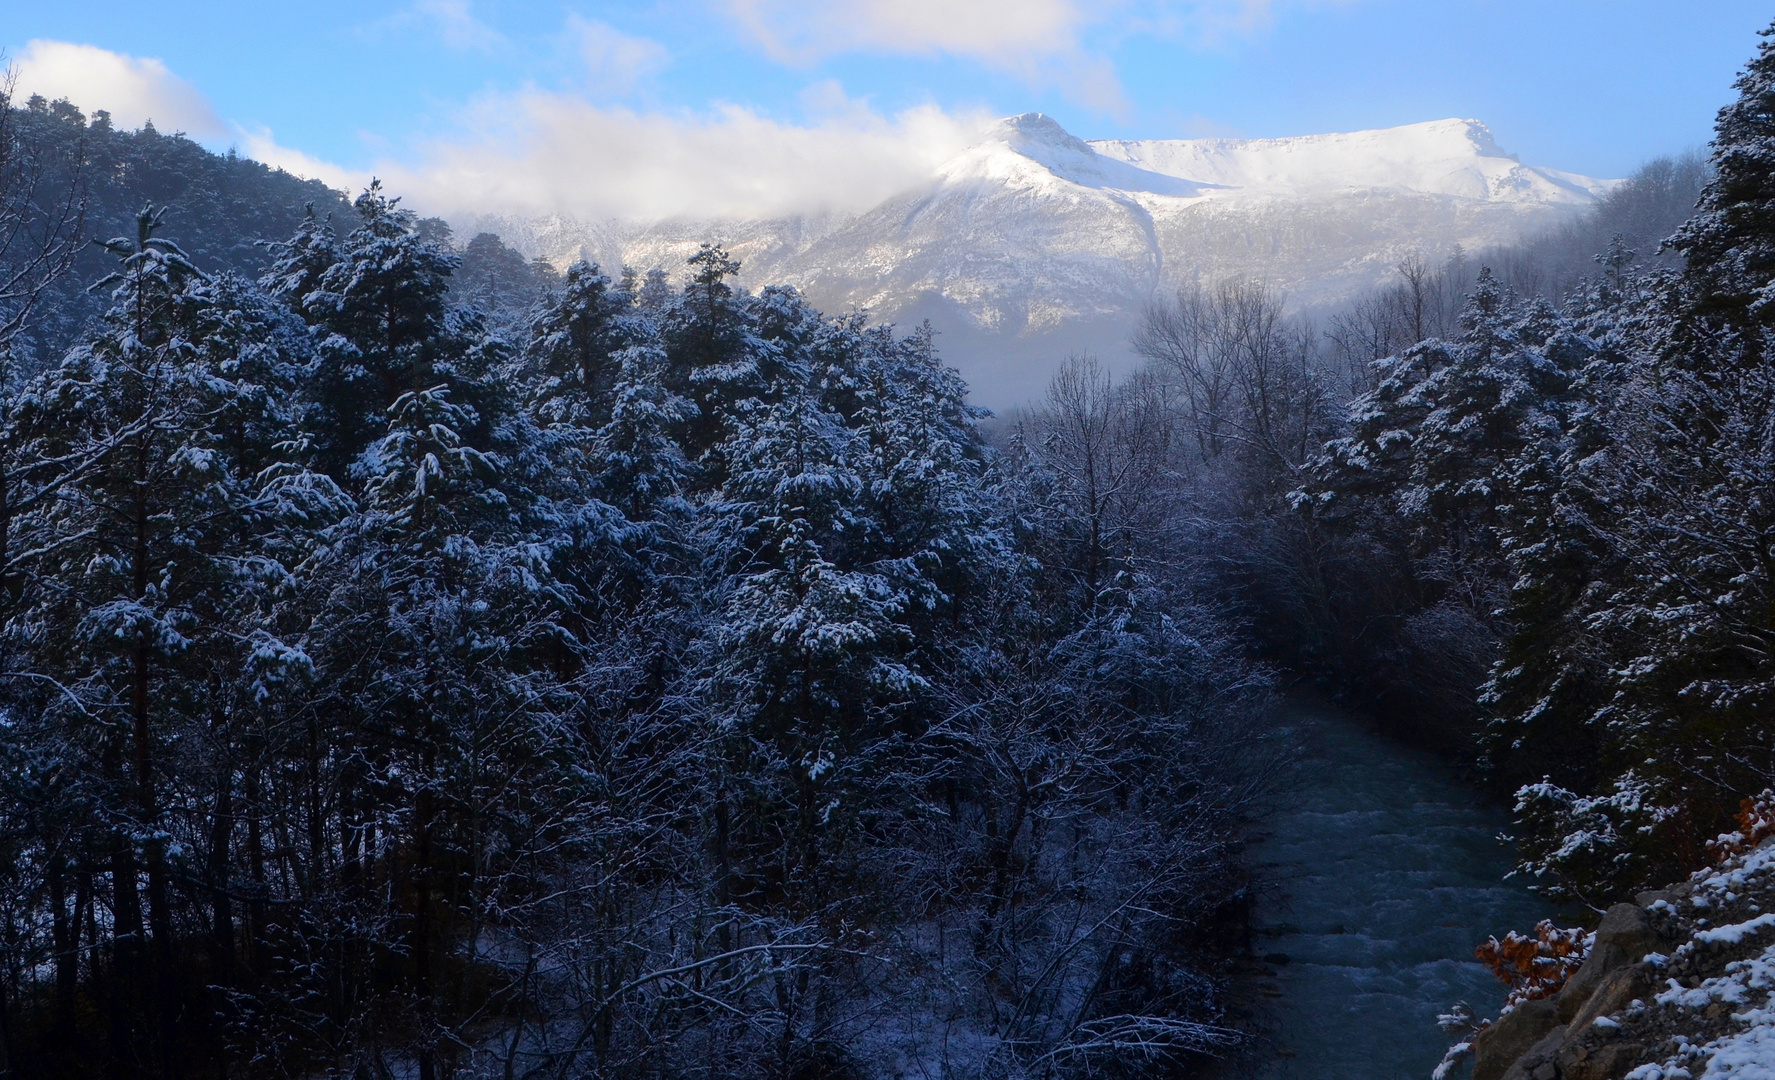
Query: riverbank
1676, 985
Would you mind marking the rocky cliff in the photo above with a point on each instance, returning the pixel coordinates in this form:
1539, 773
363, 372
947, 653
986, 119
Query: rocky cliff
1677, 986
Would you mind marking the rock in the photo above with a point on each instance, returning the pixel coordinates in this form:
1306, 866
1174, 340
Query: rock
1614, 994
1539, 1062
1500, 1046
1647, 899
1596, 1053
1602, 1063
1625, 935
1534, 1037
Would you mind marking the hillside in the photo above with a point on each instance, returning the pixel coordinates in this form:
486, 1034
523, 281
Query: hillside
219, 206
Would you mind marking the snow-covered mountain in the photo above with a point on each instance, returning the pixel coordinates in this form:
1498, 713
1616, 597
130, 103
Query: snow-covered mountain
1454, 158
1034, 243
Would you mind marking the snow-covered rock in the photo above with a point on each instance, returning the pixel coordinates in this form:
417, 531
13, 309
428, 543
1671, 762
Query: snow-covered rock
1688, 992
1034, 243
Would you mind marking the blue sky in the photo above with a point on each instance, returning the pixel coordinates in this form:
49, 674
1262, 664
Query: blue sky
656, 104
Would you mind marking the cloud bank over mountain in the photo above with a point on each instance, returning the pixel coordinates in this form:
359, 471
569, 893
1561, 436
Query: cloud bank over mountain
551, 153
543, 151
1033, 243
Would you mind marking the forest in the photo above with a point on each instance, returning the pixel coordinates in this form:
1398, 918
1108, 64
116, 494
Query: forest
417, 661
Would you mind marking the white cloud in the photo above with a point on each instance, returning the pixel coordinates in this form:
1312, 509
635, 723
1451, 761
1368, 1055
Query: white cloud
1048, 43
538, 151
997, 31
134, 90
455, 23
615, 62
541, 152
258, 144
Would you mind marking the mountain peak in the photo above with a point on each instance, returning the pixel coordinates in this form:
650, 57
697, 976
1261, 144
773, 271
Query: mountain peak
1476, 131
1033, 150
1034, 131
1457, 158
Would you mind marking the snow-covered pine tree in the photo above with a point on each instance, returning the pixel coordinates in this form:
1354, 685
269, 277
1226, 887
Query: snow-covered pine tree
573, 343
1418, 504
713, 354
141, 569
922, 461
435, 624
500, 283
1437, 439
596, 442
1661, 533
378, 299
1729, 243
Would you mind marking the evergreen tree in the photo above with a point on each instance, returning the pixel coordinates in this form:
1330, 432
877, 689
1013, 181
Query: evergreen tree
156, 539
1729, 243
573, 347
712, 355
380, 699
379, 298
501, 283
1643, 601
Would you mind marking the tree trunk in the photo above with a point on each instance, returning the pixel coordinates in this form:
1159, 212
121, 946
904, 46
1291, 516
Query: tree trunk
423, 975
222, 904
126, 964
64, 931
160, 918
255, 867
9, 1057
316, 823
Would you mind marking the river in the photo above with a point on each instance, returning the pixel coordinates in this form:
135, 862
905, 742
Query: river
1381, 870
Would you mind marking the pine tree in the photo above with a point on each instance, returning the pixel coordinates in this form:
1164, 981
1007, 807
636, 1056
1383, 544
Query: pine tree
1651, 654
713, 355
144, 536
573, 347
379, 298
1729, 243
1440, 434
430, 612
500, 283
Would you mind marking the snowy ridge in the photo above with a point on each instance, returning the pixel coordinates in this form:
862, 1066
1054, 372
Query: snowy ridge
1454, 158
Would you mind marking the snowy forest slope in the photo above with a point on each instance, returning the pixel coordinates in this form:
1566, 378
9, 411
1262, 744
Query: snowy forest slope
657, 679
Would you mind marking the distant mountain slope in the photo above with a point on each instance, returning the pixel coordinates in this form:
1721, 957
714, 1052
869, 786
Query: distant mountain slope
1034, 243
218, 207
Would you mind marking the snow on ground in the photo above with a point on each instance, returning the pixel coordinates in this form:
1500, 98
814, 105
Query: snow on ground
1729, 1016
